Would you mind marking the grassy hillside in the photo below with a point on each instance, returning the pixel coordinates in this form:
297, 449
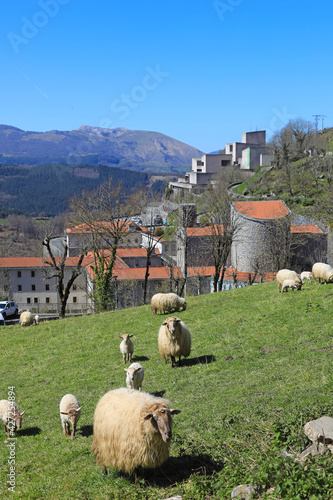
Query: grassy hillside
260, 367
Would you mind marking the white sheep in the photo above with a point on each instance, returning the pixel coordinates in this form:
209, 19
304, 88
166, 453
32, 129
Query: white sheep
322, 272
174, 339
286, 274
167, 303
126, 346
11, 416
306, 275
134, 377
70, 411
291, 284
132, 429
26, 318
37, 319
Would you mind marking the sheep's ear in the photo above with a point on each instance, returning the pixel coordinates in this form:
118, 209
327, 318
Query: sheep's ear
79, 408
175, 412
178, 320
64, 413
126, 369
165, 322
131, 335
148, 415
120, 336
137, 369
23, 412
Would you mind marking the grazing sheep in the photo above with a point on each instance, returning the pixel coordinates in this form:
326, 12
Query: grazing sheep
292, 284
132, 429
37, 319
286, 274
306, 275
322, 272
26, 318
11, 416
167, 303
126, 346
135, 374
174, 339
70, 411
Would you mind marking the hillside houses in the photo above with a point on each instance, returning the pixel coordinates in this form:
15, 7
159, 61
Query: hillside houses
263, 229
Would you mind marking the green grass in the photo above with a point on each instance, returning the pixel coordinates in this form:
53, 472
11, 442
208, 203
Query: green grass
260, 368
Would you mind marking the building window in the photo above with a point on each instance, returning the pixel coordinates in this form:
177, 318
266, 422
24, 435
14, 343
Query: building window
199, 163
230, 148
225, 163
19, 288
199, 169
28, 300
33, 288
32, 274
35, 300
74, 287
74, 300
47, 287
47, 300
19, 274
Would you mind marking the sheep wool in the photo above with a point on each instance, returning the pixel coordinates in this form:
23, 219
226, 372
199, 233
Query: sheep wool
166, 303
286, 274
132, 429
322, 272
70, 411
174, 339
134, 377
26, 318
290, 284
126, 347
11, 416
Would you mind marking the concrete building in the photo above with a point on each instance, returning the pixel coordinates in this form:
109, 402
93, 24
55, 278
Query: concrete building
247, 155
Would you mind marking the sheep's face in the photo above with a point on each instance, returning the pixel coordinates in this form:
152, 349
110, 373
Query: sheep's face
73, 415
17, 417
161, 420
171, 324
330, 277
126, 337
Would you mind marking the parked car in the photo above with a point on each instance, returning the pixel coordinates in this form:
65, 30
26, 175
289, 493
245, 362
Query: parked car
8, 308
158, 221
137, 220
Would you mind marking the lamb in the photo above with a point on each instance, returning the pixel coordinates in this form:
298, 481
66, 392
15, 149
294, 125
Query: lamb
134, 377
174, 339
36, 319
306, 275
70, 411
292, 284
11, 416
286, 274
26, 318
322, 272
126, 346
167, 303
132, 429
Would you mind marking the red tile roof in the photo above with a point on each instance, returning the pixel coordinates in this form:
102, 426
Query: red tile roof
135, 252
262, 210
34, 262
125, 226
306, 229
204, 231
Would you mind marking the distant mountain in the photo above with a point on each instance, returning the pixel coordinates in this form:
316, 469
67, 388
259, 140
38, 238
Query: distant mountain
119, 147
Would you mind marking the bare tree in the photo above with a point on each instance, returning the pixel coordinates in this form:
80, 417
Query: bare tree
103, 215
58, 270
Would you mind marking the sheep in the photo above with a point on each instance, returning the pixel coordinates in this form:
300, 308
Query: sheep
167, 303
292, 284
26, 318
174, 339
11, 416
322, 272
134, 377
286, 274
126, 346
306, 275
132, 429
70, 411
37, 319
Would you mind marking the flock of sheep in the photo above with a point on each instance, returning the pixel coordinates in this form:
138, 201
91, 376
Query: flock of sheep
133, 428
289, 280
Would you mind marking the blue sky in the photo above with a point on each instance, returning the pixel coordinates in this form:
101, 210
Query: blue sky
201, 71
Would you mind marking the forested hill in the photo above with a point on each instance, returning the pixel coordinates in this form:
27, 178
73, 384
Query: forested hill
133, 149
46, 189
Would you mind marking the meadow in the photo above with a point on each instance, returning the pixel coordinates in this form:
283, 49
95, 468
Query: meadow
260, 368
